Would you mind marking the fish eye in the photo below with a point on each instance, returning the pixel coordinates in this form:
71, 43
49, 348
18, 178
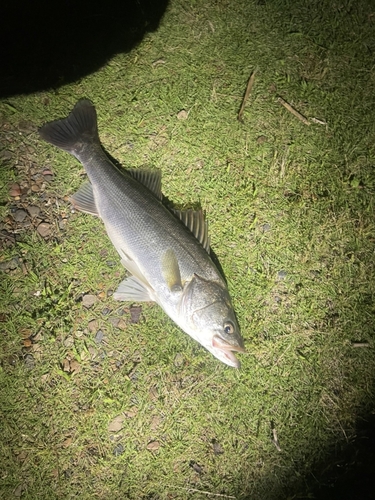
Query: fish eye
228, 328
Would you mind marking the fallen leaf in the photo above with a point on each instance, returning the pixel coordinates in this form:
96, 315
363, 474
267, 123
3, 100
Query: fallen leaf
75, 367
153, 446
155, 422
131, 413
67, 442
116, 424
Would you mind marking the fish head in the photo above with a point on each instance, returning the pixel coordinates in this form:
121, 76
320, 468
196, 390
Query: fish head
211, 319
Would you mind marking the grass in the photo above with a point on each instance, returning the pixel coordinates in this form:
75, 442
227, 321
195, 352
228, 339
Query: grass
291, 216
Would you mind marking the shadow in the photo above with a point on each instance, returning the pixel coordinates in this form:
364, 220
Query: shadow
349, 474
44, 44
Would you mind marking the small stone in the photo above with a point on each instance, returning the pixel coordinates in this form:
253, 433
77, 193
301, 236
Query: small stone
282, 275
217, 449
121, 324
26, 126
198, 468
182, 115
69, 341
29, 362
261, 139
93, 352
6, 155
33, 210
66, 365
116, 424
19, 215
89, 300
93, 325
114, 321
15, 190
155, 422
47, 174
178, 360
118, 450
44, 229
17, 492
99, 336
9, 265
135, 313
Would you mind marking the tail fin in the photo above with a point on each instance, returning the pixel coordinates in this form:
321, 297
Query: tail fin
75, 131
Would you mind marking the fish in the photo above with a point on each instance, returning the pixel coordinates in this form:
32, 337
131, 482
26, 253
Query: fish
166, 252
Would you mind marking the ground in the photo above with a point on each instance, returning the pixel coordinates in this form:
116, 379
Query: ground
101, 399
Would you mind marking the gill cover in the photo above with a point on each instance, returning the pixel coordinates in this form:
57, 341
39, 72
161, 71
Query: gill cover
207, 305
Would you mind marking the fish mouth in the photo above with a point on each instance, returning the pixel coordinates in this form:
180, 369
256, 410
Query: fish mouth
227, 350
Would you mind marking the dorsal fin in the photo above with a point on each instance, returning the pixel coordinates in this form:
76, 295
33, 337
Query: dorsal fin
151, 179
195, 222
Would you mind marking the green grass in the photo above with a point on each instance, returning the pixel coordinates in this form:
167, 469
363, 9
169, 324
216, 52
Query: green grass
291, 217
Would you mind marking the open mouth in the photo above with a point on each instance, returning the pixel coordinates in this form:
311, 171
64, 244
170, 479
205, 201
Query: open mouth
227, 350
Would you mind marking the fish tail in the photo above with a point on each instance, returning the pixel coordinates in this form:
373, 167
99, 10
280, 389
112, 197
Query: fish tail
75, 131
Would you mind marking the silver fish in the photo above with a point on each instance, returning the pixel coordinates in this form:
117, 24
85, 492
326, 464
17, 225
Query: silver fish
166, 253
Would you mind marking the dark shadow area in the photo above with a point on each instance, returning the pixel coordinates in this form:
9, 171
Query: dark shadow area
350, 472
45, 44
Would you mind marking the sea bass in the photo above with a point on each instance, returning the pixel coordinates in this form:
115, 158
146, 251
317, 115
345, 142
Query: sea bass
166, 253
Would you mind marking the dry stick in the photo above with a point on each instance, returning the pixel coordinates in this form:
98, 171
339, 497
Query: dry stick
194, 490
274, 437
293, 111
250, 84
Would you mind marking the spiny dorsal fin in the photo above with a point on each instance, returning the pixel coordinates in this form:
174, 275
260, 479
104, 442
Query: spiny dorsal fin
151, 179
195, 222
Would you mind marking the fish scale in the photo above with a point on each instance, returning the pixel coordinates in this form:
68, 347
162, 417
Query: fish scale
167, 262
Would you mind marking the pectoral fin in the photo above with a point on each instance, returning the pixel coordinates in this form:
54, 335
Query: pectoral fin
171, 271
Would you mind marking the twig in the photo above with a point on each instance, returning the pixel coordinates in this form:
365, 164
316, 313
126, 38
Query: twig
294, 112
319, 122
274, 438
360, 344
250, 84
194, 490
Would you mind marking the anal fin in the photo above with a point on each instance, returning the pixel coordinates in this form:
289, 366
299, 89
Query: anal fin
132, 290
84, 200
